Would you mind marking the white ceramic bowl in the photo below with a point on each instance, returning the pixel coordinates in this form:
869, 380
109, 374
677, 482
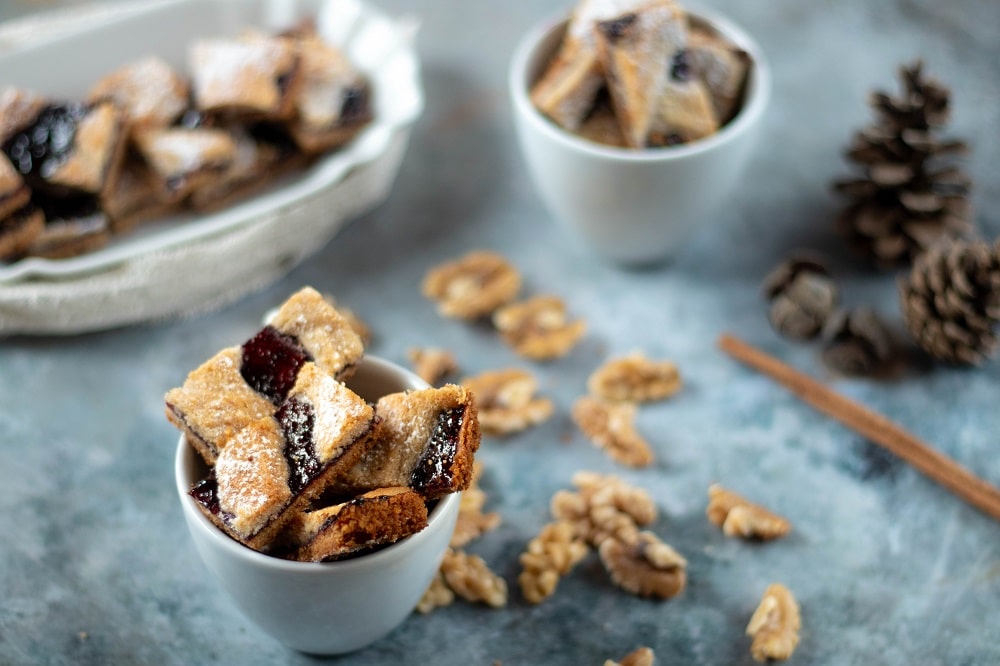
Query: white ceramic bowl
633, 206
329, 607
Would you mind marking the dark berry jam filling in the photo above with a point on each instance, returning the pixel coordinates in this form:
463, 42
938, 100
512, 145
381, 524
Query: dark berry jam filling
297, 419
274, 135
206, 493
616, 29
680, 68
355, 106
432, 474
271, 363
70, 207
43, 147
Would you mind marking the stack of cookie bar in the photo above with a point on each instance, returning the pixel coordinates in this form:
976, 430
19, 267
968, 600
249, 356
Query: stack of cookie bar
299, 466
641, 73
147, 140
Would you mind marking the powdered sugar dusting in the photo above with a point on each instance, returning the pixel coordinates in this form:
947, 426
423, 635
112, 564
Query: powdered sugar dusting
340, 415
251, 473
591, 12
224, 70
151, 91
181, 151
216, 400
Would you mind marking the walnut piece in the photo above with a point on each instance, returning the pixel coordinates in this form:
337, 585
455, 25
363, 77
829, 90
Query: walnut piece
775, 625
634, 378
472, 523
432, 365
642, 656
739, 517
605, 507
506, 401
436, 595
611, 426
469, 577
537, 328
644, 566
472, 286
548, 557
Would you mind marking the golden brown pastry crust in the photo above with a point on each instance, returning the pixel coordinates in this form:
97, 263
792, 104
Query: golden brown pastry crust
408, 450
256, 498
255, 76
150, 92
372, 519
636, 50
19, 230
214, 403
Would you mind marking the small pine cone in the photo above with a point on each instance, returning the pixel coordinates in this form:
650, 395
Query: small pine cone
906, 200
802, 296
951, 301
857, 343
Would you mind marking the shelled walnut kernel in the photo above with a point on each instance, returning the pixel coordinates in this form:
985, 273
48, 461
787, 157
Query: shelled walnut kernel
775, 625
436, 595
548, 557
645, 566
634, 378
469, 577
642, 656
611, 426
604, 507
506, 401
739, 517
538, 328
432, 365
472, 522
472, 286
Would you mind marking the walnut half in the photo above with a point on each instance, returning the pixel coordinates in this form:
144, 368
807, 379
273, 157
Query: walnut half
538, 328
775, 625
645, 566
611, 426
549, 556
469, 577
634, 378
472, 286
432, 365
507, 402
604, 508
739, 517
472, 523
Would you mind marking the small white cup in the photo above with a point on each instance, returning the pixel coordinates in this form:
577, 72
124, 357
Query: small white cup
327, 607
633, 207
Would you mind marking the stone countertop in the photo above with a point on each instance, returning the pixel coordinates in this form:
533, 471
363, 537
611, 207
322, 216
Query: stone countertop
96, 566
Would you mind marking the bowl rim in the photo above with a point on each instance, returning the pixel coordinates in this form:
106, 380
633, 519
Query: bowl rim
756, 97
383, 557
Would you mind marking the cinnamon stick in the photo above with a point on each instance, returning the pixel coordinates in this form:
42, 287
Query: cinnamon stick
872, 425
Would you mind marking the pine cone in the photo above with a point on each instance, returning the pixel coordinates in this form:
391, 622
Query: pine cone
802, 297
951, 301
857, 343
906, 200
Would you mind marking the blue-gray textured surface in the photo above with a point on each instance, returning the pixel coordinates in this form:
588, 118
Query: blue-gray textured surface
95, 563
